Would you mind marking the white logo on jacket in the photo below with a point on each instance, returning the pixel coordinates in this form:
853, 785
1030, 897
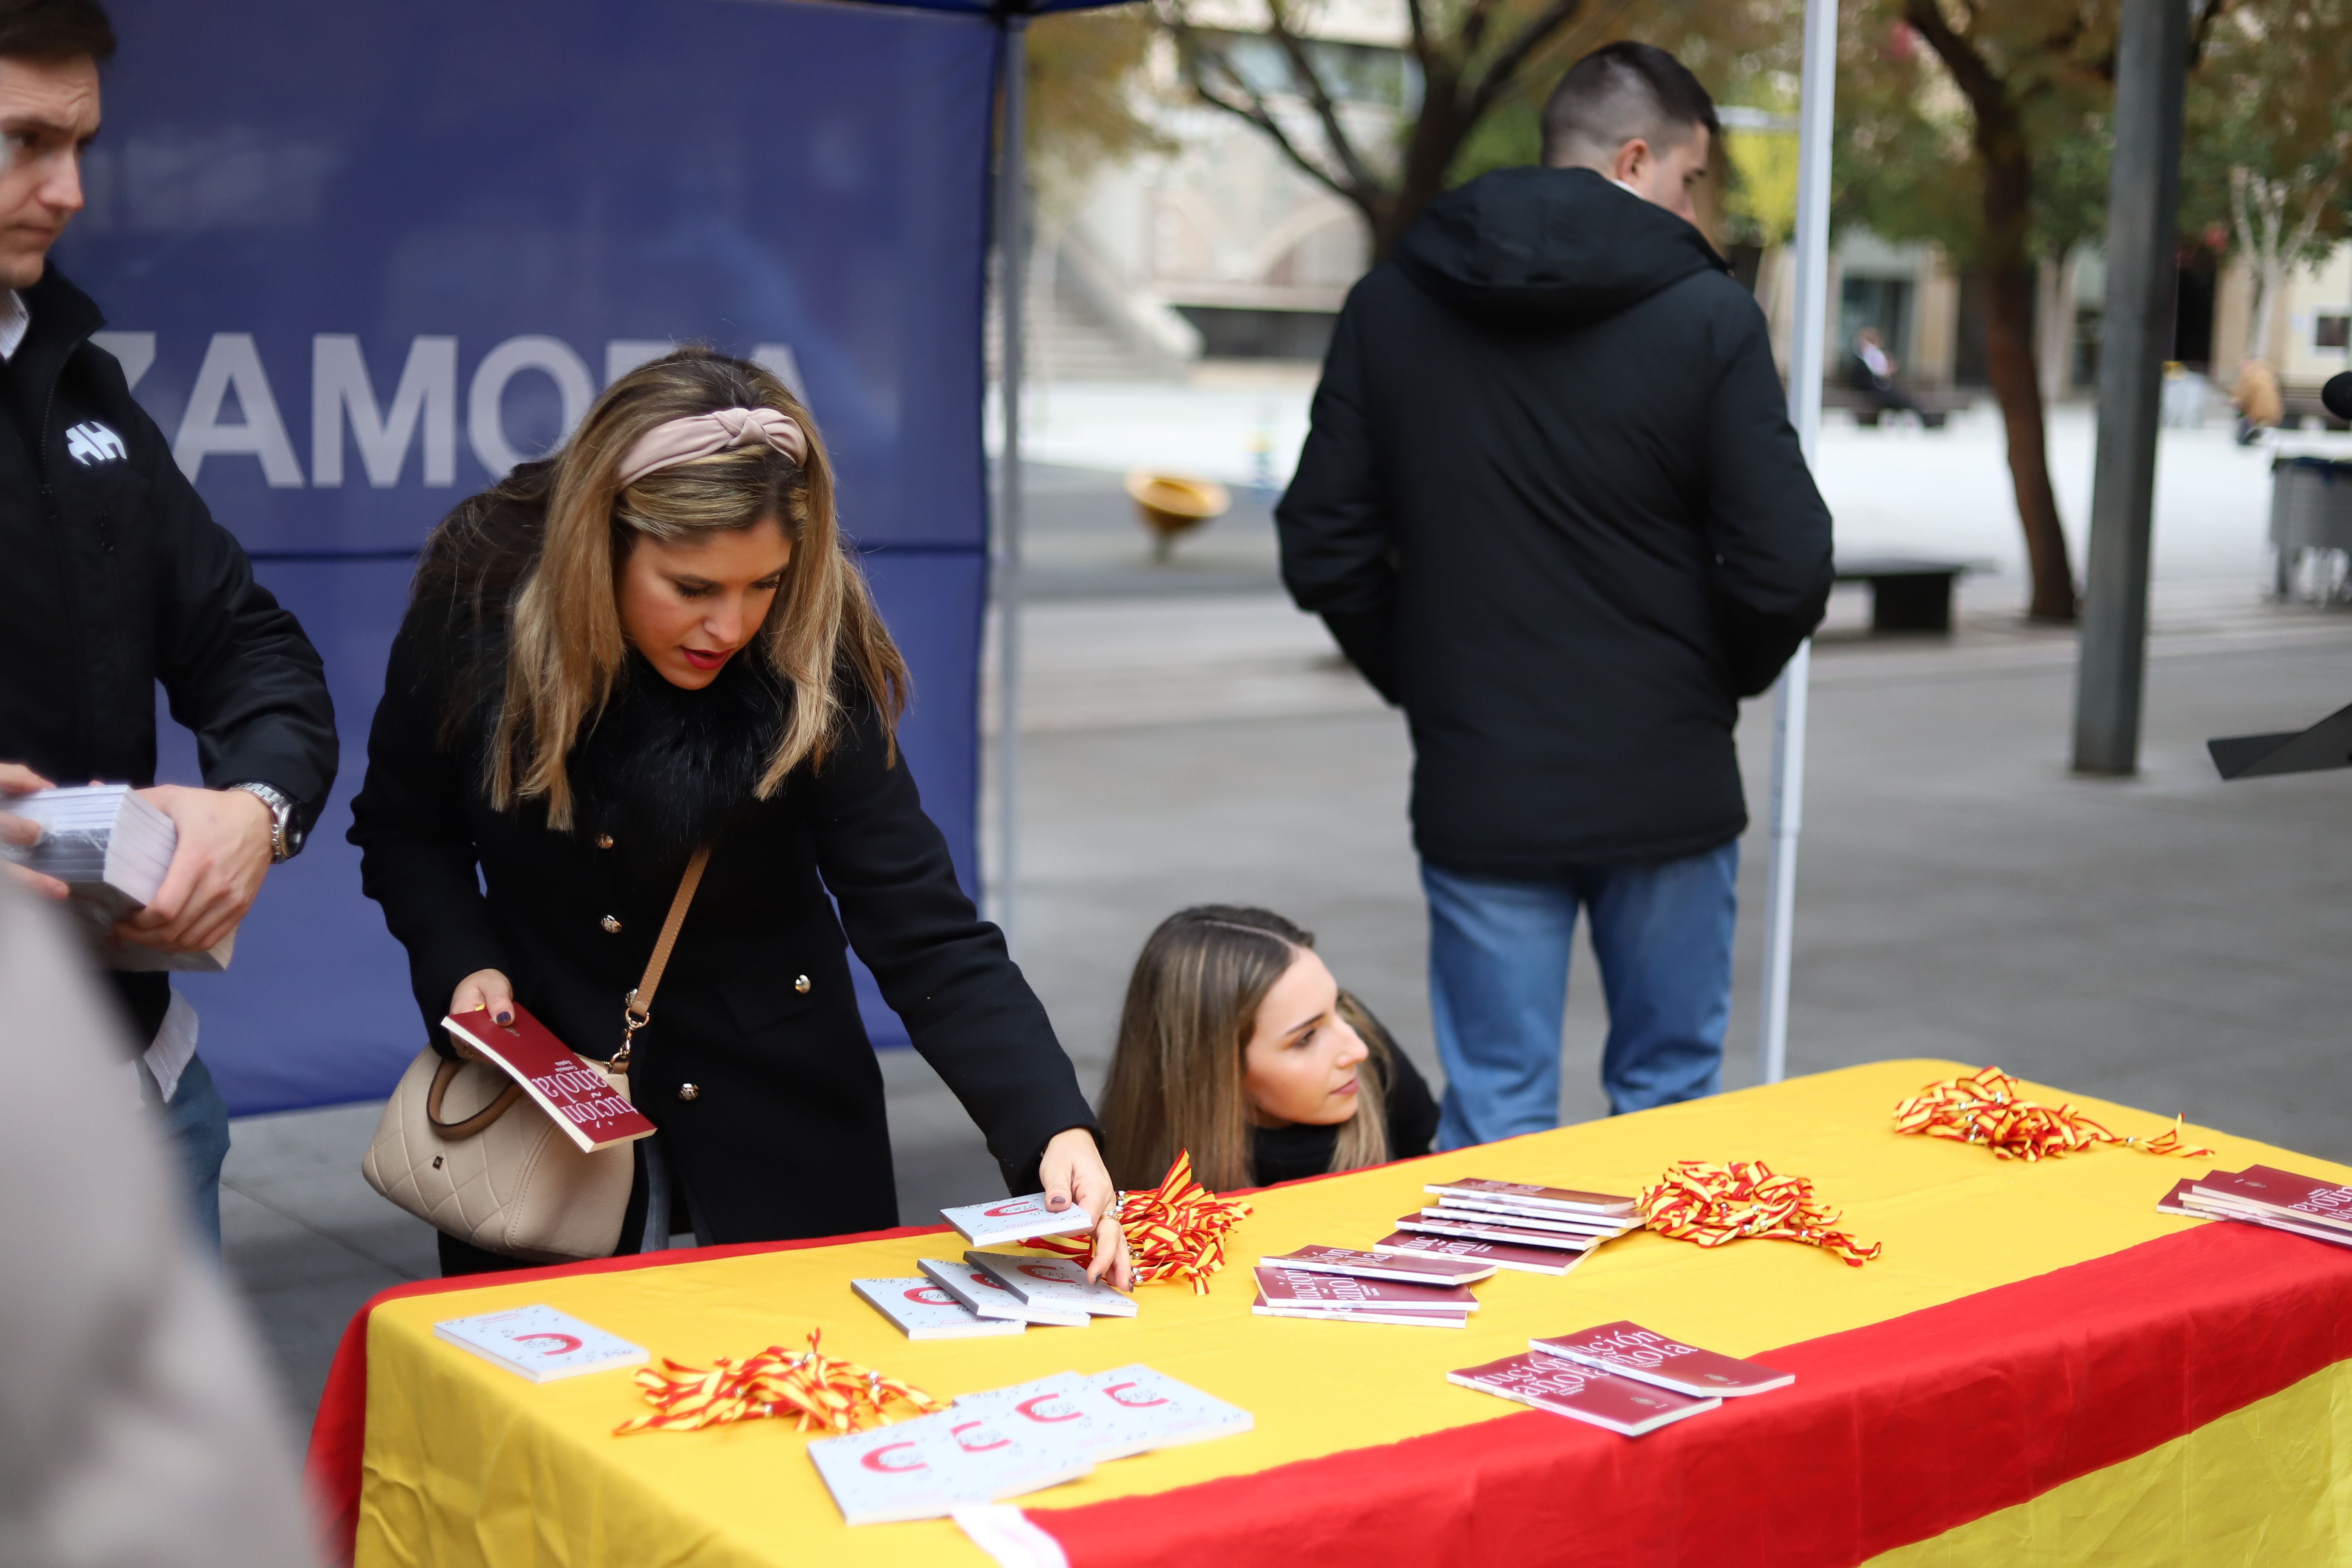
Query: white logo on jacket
91, 442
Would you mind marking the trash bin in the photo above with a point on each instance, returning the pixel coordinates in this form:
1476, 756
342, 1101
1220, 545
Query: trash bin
2311, 511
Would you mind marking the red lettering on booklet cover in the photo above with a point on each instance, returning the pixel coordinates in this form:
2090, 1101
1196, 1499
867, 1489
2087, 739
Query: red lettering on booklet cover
1118, 1391
1028, 1408
880, 1460
970, 1447
985, 1283
564, 1344
1017, 1206
932, 1296
1044, 1271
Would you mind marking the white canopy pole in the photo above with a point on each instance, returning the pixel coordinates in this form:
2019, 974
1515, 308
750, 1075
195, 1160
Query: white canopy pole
1808, 347
1012, 273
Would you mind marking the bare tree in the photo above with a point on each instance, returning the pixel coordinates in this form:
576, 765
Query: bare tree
1471, 57
2259, 222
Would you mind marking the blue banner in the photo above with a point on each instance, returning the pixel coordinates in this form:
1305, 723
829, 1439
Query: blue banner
359, 259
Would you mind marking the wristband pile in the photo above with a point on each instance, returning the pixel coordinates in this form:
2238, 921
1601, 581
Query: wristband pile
1985, 1108
818, 1393
1711, 1205
1175, 1231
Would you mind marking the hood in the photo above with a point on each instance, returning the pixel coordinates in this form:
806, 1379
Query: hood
1557, 246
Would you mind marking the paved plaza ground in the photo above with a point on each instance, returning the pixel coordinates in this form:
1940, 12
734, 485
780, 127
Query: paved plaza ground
2170, 941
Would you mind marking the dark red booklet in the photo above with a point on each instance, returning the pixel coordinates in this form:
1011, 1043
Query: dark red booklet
1566, 1388
1480, 1231
1501, 1254
1631, 1350
1297, 1287
584, 1101
1564, 1198
2282, 1193
1424, 1270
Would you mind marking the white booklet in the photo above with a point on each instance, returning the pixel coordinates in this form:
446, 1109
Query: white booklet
1060, 1283
112, 849
1111, 1415
541, 1343
988, 1299
1016, 1219
924, 1311
925, 1468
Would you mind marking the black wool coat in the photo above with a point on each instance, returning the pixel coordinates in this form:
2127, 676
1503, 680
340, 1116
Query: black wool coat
756, 1064
1552, 504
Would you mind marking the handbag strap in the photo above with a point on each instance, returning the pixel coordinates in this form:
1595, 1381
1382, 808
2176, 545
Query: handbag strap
637, 1009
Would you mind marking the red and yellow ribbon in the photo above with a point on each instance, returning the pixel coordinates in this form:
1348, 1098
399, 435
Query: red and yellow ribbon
1175, 1231
816, 1390
1711, 1205
1986, 1108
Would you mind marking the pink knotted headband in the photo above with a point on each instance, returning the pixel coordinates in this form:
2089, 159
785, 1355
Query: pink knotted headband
676, 441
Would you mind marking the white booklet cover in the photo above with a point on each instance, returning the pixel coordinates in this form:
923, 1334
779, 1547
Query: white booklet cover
1060, 1283
541, 1343
1111, 1415
984, 1297
924, 1311
923, 1468
1016, 1219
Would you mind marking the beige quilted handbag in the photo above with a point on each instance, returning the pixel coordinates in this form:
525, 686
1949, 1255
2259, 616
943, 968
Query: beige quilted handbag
449, 1151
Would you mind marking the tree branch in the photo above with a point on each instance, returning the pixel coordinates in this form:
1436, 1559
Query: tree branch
1503, 71
1418, 17
1984, 90
1257, 112
1310, 82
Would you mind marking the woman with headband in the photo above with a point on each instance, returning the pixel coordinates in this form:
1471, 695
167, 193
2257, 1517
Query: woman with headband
653, 643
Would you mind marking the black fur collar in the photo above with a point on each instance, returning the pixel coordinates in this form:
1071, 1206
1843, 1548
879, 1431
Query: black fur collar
665, 769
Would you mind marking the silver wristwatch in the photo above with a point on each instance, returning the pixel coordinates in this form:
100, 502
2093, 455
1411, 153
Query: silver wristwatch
285, 839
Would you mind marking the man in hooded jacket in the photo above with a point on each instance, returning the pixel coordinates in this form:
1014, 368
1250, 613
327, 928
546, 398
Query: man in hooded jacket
1551, 504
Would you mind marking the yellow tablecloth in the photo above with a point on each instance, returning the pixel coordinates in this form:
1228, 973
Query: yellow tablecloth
466, 1463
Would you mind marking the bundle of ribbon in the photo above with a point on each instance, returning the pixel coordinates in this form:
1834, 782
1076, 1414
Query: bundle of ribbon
818, 1392
1175, 1231
1985, 1107
1711, 1205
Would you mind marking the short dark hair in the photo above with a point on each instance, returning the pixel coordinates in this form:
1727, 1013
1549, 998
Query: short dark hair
55, 30
1617, 92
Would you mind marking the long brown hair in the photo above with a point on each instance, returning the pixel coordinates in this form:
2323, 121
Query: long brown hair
1176, 1076
564, 646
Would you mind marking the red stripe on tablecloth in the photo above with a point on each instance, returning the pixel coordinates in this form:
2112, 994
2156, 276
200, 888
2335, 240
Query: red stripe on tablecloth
1892, 1433
339, 1432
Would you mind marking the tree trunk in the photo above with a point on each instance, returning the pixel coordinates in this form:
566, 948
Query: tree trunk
1437, 136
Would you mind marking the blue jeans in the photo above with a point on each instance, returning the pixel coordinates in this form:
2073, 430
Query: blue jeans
196, 1125
1498, 987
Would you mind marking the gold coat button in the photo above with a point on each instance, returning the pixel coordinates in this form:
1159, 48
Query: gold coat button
688, 1091
604, 841
611, 925
801, 984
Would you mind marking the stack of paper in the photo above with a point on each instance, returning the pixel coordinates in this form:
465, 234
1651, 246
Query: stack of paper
1519, 1213
112, 850
924, 1311
1569, 1388
541, 1343
1402, 1270
1007, 1441
1631, 1350
2266, 1196
1298, 1293
983, 1295
1057, 1284
1501, 1254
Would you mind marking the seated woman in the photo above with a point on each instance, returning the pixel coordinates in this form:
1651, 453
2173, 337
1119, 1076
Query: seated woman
1237, 1045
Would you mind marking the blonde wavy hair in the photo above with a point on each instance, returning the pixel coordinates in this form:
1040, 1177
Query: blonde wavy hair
1176, 1079
565, 645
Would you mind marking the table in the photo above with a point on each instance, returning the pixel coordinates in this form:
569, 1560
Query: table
2039, 1365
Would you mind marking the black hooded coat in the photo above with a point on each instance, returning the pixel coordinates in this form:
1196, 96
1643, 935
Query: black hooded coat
1552, 505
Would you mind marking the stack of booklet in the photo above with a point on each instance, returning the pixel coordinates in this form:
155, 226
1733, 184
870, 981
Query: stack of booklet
2264, 1194
1513, 1225
992, 1293
112, 849
1622, 1376
1350, 1298
1016, 1219
1000, 1444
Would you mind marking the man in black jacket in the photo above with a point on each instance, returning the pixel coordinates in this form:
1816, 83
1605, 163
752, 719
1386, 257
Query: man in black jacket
116, 578
1552, 505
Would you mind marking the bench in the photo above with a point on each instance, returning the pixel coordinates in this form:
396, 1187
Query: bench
1905, 595
1937, 403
